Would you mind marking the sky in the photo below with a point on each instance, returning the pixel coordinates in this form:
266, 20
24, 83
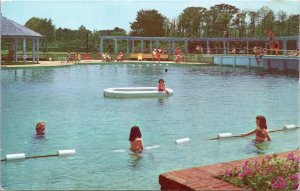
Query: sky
108, 14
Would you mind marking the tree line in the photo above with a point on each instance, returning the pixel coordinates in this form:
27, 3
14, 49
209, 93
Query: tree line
192, 22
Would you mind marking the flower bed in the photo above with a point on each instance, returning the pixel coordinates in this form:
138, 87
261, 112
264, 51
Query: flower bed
272, 173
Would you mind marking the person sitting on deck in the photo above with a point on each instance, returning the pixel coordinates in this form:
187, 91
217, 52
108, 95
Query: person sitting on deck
259, 54
69, 57
120, 57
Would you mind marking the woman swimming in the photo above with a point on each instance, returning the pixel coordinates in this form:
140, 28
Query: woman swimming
261, 130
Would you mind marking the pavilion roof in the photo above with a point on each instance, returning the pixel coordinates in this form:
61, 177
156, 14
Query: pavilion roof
10, 29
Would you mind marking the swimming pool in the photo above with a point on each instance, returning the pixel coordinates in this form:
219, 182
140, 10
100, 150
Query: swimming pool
207, 101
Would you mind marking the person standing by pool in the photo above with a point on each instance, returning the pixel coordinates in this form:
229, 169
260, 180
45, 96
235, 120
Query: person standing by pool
135, 138
162, 86
154, 52
261, 130
178, 55
158, 53
40, 128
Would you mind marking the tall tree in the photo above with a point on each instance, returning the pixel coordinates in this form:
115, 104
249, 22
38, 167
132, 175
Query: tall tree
42, 26
266, 20
190, 21
293, 25
224, 13
148, 23
252, 23
239, 24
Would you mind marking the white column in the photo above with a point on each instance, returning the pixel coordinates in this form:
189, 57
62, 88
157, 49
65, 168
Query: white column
38, 51
16, 50
33, 50
24, 50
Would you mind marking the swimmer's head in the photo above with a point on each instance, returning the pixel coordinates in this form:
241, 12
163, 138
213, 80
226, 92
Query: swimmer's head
40, 128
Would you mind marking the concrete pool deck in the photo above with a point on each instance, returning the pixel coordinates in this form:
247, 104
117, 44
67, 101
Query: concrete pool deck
203, 177
64, 63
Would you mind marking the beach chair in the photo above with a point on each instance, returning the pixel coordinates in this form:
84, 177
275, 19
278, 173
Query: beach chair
86, 57
140, 57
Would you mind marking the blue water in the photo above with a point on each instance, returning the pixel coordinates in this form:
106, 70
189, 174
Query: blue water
207, 101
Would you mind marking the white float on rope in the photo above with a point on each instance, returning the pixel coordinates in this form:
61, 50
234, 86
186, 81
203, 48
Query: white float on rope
183, 140
224, 135
15, 156
66, 152
152, 147
292, 126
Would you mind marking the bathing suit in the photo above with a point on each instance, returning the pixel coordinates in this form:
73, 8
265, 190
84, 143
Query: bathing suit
259, 133
161, 87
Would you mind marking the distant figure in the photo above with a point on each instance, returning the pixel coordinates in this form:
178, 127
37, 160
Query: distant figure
158, 53
154, 55
120, 57
258, 55
162, 86
166, 70
276, 47
271, 41
69, 57
40, 128
178, 55
271, 36
135, 138
78, 57
233, 51
261, 130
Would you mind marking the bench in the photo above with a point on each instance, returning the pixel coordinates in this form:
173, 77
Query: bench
145, 56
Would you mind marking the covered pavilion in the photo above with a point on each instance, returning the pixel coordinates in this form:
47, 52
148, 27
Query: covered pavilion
12, 30
207, 43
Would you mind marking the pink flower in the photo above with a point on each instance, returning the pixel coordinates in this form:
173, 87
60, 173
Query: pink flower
275, 185
295, 176
291, 156
241, 175
295, 186
281, 182
228, 173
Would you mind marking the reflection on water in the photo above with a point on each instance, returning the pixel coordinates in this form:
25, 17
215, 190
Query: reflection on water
161, 100
134, 159
258, 148
38, 139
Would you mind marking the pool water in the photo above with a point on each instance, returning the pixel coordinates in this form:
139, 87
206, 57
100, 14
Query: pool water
207, 101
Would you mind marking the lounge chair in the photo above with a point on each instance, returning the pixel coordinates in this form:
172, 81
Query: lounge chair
86, 57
